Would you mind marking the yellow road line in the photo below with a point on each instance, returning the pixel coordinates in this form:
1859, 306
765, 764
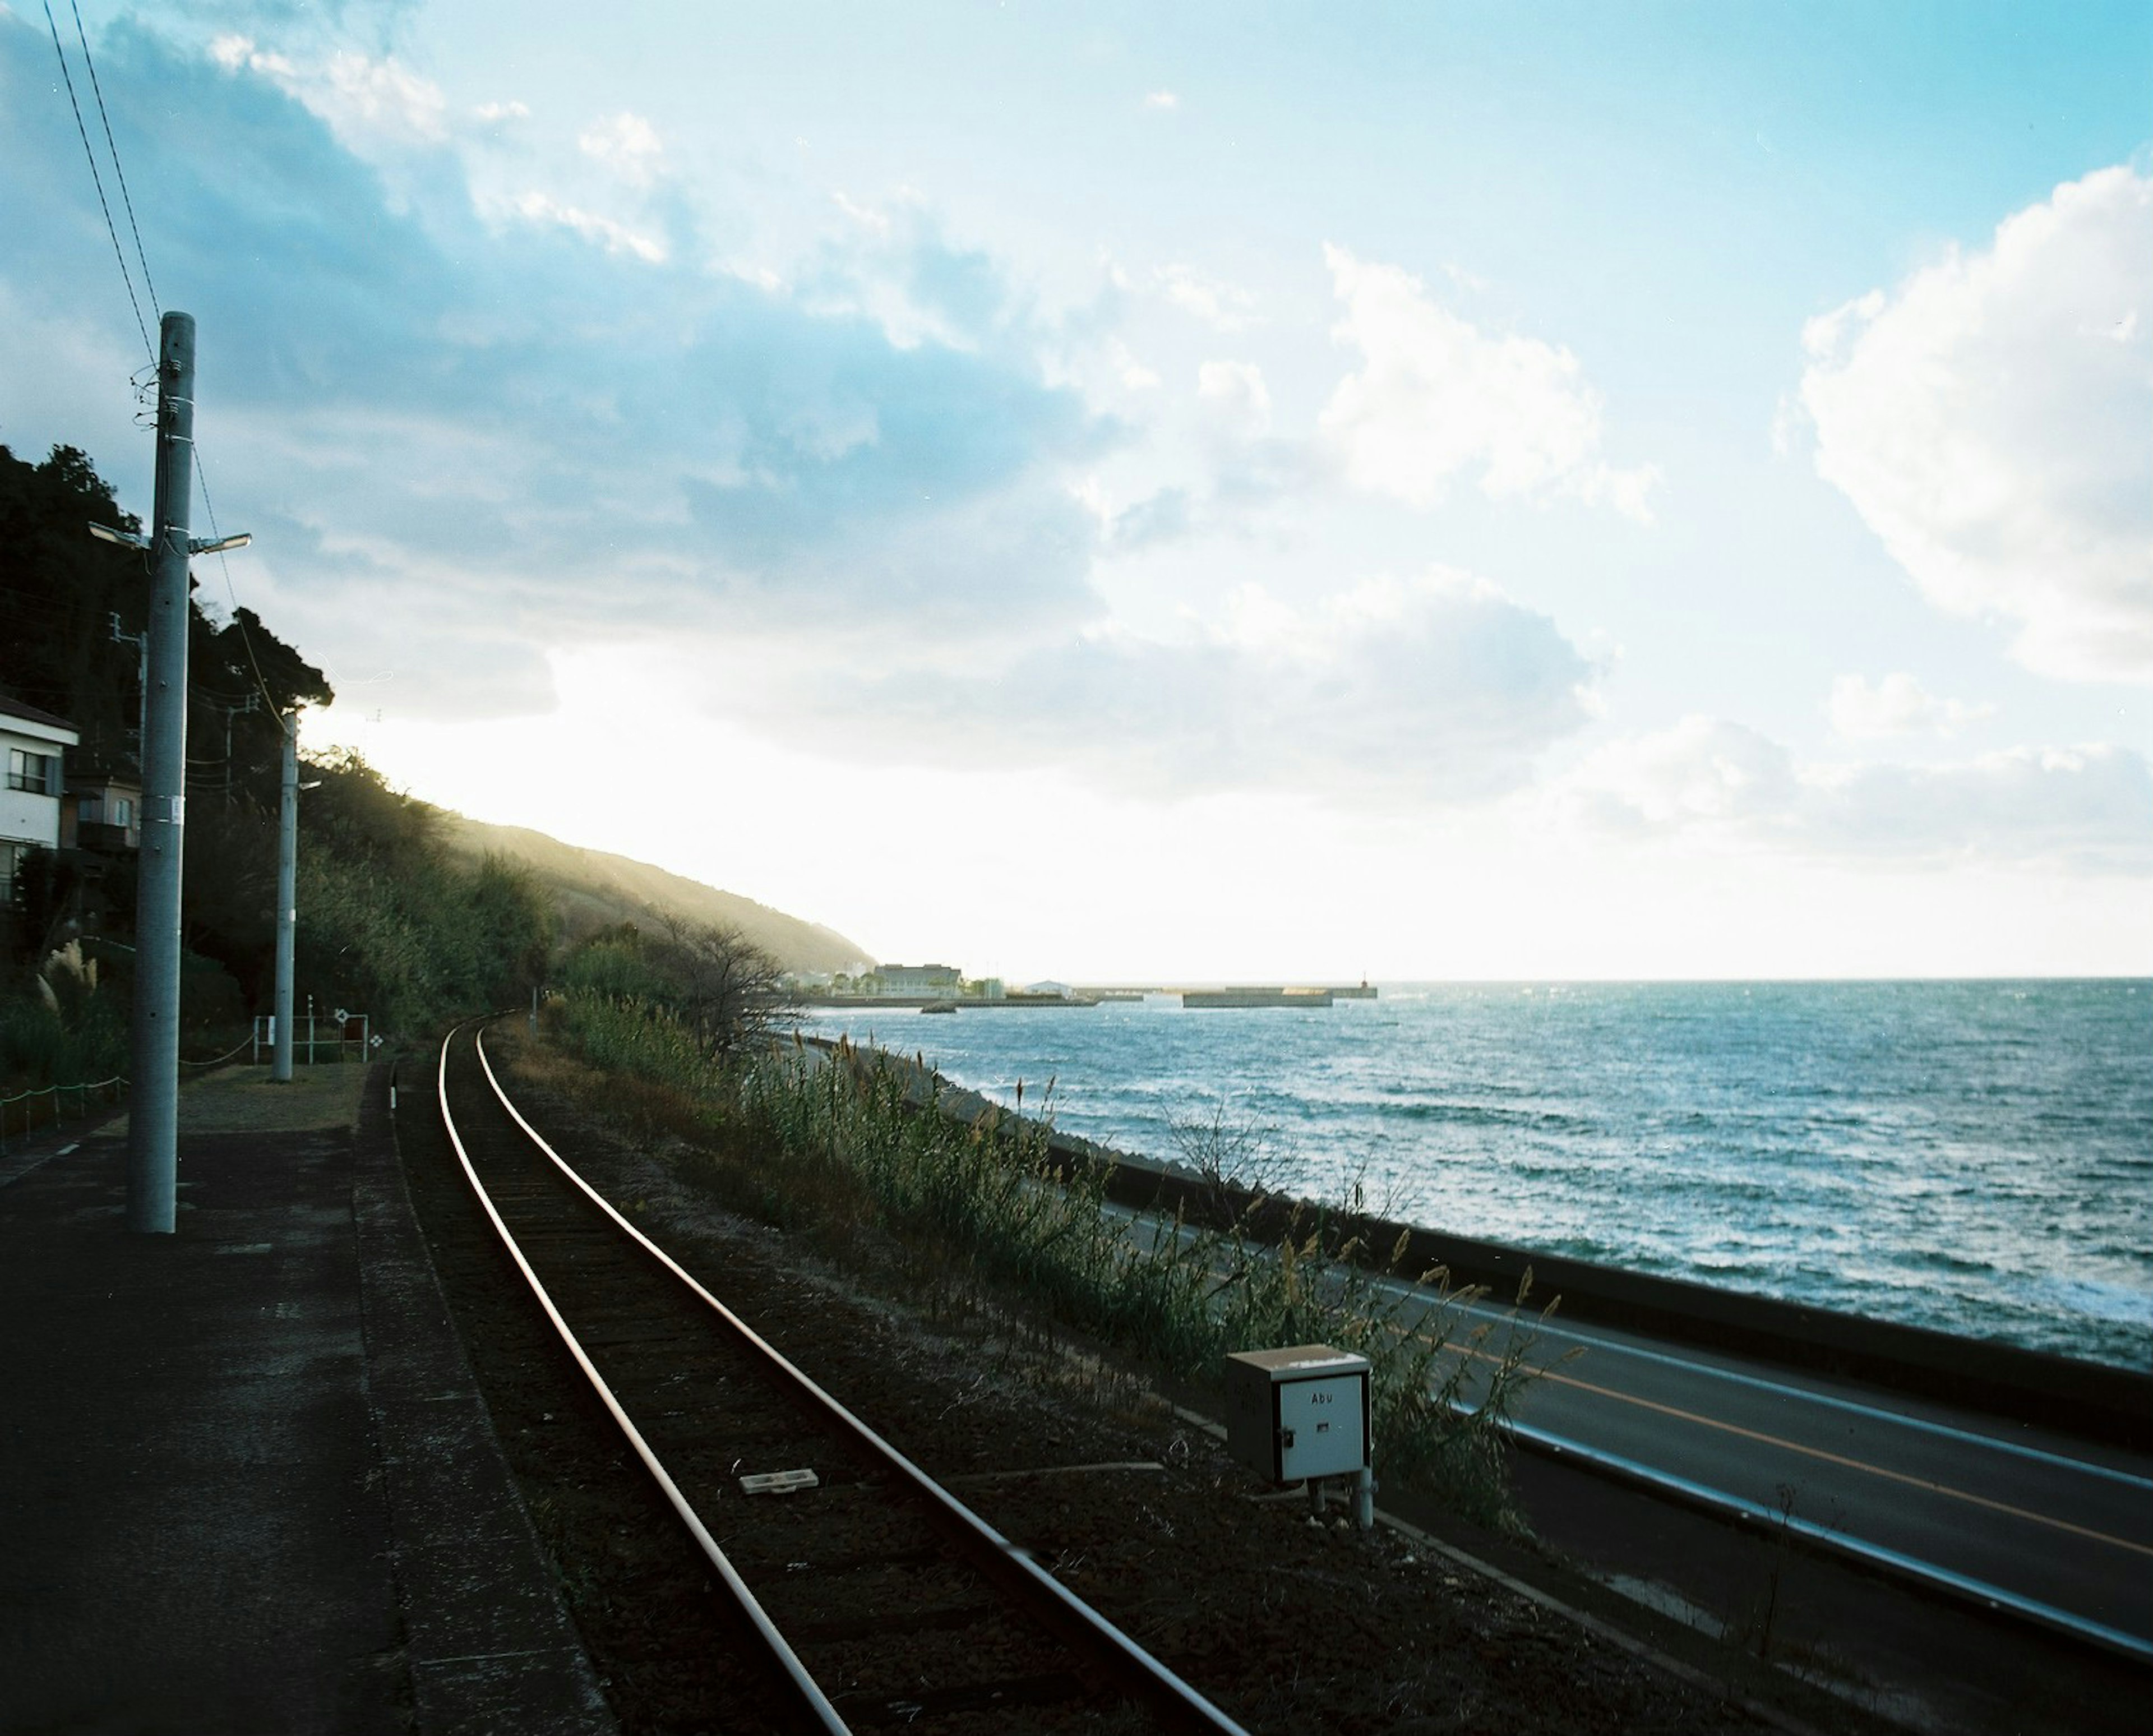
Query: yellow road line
1829, 1458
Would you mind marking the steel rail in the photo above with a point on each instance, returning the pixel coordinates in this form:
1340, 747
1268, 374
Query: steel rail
803, 1684
1143, 1676
1175, 1703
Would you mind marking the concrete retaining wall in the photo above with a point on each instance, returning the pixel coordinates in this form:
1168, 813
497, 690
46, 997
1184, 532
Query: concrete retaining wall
2095, 1400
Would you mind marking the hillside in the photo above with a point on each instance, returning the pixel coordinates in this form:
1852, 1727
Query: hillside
593, 888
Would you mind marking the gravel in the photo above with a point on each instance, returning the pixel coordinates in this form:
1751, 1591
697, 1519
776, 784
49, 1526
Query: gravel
1287, 1623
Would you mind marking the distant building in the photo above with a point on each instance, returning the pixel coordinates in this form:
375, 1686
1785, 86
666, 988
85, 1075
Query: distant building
102, 813
36, 744
912, 979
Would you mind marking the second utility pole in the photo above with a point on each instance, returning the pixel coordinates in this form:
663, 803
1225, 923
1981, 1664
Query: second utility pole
287, 899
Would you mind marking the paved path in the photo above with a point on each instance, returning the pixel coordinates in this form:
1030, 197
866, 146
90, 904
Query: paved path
246, 1483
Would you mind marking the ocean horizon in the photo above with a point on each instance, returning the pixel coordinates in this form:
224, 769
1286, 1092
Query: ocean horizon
1973, 1155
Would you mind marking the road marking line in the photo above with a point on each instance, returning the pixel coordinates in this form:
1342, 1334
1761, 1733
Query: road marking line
1607, 1346
2136, 1646
1830, 1458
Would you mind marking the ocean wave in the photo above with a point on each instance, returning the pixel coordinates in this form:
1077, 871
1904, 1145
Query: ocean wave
2124, 1304
1932, 1153
1488, 1115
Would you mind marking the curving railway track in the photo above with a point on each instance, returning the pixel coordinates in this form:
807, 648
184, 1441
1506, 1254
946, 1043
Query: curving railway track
875, 1596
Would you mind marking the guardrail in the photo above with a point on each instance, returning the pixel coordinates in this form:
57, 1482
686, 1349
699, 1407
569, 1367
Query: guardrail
109, 1091
56, 1092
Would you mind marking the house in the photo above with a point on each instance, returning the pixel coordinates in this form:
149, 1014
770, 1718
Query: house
36, 744
912, 979
103, 812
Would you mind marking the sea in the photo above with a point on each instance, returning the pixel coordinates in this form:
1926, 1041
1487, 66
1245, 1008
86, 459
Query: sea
1973, 1157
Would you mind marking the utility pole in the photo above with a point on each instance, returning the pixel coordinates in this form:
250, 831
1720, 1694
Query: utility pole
288, 896
242, 709
140, 641
153, 1114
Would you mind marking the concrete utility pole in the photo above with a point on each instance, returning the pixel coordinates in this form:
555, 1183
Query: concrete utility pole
287, 897
153, 1113
153, 1117
140, 641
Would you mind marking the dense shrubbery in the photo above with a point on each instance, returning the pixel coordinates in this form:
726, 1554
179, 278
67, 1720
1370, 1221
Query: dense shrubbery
844, 1149
994, 1203
670, 1008
392, 923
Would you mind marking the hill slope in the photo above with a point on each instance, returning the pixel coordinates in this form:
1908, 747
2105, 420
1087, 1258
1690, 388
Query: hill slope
593, 889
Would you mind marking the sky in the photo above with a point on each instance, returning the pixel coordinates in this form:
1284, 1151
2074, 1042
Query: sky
1216, 492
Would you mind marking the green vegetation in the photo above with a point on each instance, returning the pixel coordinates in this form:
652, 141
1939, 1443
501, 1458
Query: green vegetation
394, 921
391, 921
672, 1010
400, 916
852, 1152
594, 890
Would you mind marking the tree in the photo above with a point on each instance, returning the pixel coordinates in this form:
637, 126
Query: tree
725, 989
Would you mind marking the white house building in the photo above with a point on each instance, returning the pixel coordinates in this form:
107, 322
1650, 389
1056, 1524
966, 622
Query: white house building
920, 979
35, 743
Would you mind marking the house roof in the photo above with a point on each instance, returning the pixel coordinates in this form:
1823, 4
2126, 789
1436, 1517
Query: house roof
30, 713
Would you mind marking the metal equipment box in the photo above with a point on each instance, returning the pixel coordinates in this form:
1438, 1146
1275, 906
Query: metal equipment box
1298, 1412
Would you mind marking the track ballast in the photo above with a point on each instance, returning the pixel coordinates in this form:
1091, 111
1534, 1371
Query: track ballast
879, 1599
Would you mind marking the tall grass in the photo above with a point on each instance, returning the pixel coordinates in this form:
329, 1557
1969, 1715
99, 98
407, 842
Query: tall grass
626, 1034
860, 1149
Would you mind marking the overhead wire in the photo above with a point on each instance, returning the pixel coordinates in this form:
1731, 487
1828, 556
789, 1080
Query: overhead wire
89, 151
120, 252
238, 620
127, 198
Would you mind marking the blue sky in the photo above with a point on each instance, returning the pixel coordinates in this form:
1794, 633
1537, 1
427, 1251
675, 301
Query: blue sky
1200, 491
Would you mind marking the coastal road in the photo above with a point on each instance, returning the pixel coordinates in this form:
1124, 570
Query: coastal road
2054, 1530
2050, 1529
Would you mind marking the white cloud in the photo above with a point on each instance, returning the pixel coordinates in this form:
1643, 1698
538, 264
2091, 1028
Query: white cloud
1237, 392
1135, 375
1435, 397
1897, 705
875, 222
1708, 780
495, 112
1222, 306
382, 94
626, 144
1393, 692
2090, 808
366, 101
1162, 99
1991, 421
1703, 774
614, 237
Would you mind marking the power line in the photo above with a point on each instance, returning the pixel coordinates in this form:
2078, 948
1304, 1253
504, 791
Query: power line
111, 229
113, 144
238, 619
142, 253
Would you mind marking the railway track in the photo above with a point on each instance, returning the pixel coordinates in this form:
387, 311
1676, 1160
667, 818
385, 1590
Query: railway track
877, 1598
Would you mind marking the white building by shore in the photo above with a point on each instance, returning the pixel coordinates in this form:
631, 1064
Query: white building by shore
35, 743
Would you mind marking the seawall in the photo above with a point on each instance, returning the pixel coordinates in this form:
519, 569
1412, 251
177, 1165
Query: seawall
2095, 1400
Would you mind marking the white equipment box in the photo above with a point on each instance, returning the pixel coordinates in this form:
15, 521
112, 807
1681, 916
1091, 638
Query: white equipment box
1298, 1412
